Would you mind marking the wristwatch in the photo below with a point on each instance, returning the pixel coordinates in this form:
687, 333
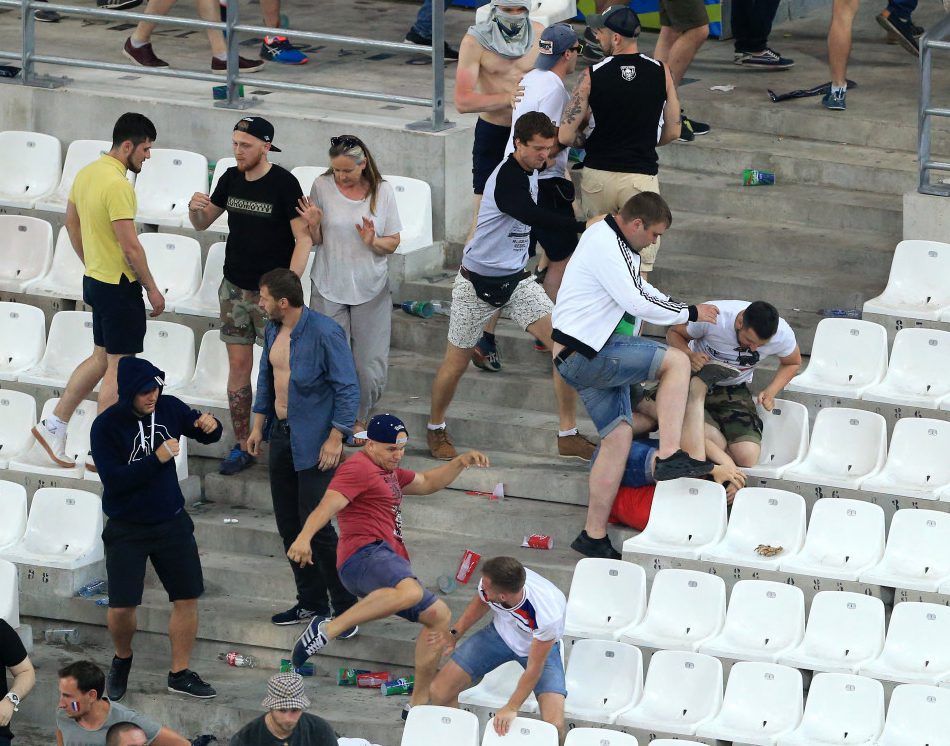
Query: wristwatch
12, 696
454, 632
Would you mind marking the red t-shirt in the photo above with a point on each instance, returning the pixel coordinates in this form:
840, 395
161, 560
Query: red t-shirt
632, 506
373, 513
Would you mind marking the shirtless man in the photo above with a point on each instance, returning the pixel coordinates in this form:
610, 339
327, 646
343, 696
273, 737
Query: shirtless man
493, 58
306, 403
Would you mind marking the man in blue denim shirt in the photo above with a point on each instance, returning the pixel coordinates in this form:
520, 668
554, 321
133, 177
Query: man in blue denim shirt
307, 394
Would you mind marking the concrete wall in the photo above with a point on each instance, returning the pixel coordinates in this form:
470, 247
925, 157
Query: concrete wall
926, 217
443, 159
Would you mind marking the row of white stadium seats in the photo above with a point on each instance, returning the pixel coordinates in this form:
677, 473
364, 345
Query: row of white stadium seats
35, 177
844, 539
919, 283
849, 359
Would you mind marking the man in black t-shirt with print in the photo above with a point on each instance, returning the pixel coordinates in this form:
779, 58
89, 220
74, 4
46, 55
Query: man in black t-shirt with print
12, 656
265, 232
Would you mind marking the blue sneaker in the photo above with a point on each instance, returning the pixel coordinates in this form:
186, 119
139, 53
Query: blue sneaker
834, 100
279, 49
485, 355
312, 640
295, 615
351, 632
236, 461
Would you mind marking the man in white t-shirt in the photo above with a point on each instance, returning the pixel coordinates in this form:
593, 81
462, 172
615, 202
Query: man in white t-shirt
544, 91
527, 626
742, 336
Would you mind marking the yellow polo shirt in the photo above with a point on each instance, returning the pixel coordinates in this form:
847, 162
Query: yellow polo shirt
102, 193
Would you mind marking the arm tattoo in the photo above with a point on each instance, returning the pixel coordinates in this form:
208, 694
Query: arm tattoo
575, 106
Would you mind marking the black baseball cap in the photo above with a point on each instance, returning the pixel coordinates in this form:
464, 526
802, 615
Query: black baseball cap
621, 19
258, 127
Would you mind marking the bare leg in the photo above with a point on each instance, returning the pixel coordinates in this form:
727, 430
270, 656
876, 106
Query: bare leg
109, 391
210, 10
716, 446
694, 440
240, 362
81, 383
182, 630
677, 48
143, 32
565, 394
448, 684
671, 400
436, 617
551, 705
122, 625
270, 10
745, 453
493, 322
552, 280
446, 381
839, 39
379, 604
605, 477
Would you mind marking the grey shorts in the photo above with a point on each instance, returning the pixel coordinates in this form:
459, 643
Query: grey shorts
527, 304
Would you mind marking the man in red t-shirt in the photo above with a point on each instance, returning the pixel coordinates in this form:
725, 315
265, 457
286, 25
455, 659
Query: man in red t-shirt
365, 495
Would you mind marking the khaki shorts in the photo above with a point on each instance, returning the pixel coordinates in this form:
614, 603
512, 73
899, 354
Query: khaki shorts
732, 410
527, 304
242, 320
683, 15
607, 191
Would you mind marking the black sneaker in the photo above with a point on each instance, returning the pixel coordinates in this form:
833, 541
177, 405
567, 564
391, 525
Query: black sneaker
47, 16
680, 465
686, 131
295, 615
190, 683
589, 547
767, 59
118, 4
713, 372
405, 710
697, 128
592, 50
118, 679
413, 38
902, 28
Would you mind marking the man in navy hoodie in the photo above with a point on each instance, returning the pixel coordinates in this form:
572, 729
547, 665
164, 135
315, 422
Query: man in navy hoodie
134, 444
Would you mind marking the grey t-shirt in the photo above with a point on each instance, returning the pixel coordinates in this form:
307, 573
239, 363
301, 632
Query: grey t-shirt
76, 735
310, 731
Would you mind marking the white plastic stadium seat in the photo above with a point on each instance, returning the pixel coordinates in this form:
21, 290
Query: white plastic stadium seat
917, 554
414, 204
917, 714
17, 416
205, 301
209, 385
495, 689
687, 516
64, 279
847, 356
606, 597
428, 725
166, 183
22, 339
764, 619
37, 461
9, 594
32, 163
847, 446
26, 251
79, 154
917, 373
604, 678
306, 175
522, 732
221, 224
845, 538
681, 692
762, 702
844, 631
784, 439
170, 347
841, 710
545, 12
919, 283
917, 646
13, 510
601, 737
69, 343
175, 263
64, 530
917, 464
761, 515
686, 608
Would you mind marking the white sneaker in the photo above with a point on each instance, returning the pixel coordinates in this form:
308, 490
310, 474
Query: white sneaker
54, 445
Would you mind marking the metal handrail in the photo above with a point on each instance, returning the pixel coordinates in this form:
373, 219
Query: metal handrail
232, 79
936, 37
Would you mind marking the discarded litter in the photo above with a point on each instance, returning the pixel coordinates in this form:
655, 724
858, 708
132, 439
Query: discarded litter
68, 636
840, 313
397, 686
93, 588
538, 541
754, 177
499, 492
233, 658
467, 565
373, 680
286, 666
768, 551
231, 520
102, 601
723, 88
345, 676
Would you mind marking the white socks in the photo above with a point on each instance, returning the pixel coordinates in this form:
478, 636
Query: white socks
54, 424
430, 426
567, 433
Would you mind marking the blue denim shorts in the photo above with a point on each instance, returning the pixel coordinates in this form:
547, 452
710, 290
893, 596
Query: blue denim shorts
377, 566
638, 470
604, 382
485, 651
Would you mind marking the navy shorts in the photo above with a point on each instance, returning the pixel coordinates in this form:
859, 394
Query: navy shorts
118, 314
170, 545
557, 195
487, 151
377, 566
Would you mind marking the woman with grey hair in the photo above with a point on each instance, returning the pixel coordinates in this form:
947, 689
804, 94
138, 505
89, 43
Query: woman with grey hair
351, 212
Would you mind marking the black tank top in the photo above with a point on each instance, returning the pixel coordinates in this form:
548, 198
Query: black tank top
627, 94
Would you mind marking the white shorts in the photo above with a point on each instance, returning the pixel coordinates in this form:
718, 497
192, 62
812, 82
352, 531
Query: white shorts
470, 313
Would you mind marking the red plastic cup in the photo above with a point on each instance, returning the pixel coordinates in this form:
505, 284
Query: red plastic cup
467, 565
538, 541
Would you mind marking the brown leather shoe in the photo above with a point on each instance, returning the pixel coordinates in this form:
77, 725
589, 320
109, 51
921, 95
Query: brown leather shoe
575, 446
244, 65
144, 55
440, 444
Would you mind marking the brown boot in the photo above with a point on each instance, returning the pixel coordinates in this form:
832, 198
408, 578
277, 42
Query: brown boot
440, 444
575, 446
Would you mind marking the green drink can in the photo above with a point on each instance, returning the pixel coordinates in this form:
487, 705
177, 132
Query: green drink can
397, 686
753, 177
348, 676
306, 669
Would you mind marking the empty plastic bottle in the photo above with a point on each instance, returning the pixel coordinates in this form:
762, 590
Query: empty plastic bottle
840, 313
421, 308
93, 588
233, 658
442, 307
68, 636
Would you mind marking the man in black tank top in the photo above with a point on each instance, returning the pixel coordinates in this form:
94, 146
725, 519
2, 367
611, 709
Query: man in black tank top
634, 107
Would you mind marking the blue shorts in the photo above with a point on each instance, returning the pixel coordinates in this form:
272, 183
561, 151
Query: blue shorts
604, 382
118, 314
485, 651
377, 566
638, 470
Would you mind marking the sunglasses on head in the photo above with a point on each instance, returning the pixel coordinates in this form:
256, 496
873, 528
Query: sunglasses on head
347, 141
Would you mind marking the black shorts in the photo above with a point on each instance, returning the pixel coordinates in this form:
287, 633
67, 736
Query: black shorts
170, 545
555, 194
118, 314
487, 151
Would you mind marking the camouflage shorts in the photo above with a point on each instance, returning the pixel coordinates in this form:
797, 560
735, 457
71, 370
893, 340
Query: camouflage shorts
732, 410
242, 320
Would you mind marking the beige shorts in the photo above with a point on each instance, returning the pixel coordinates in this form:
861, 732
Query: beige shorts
527, 304
607, 191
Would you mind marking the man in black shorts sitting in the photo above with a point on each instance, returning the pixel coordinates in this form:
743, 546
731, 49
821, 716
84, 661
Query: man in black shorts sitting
134, 443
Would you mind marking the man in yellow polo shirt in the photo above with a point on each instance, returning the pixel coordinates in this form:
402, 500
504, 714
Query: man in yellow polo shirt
100, 220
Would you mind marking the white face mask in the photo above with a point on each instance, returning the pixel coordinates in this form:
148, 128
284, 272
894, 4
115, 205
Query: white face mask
511, 24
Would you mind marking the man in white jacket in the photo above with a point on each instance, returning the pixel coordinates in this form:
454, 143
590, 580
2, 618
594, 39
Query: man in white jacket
598, 350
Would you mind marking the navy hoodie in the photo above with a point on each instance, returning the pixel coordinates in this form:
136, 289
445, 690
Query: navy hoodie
137, 487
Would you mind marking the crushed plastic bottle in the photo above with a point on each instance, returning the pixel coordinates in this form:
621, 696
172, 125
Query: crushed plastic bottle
93, 588
840, 313
233, 658
67, 636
